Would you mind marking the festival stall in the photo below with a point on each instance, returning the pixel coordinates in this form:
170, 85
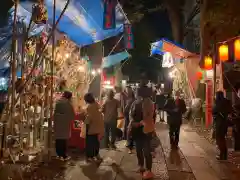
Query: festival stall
45, 61
182, 67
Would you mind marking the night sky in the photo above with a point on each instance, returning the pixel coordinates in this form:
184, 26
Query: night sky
151, 28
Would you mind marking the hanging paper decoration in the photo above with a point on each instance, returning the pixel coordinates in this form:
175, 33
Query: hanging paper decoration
223, 53
237, 50
3, 84
39, 15
109, 14
128, 36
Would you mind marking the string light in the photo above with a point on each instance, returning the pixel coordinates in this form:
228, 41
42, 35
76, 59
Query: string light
93, 72
99, 71
67, 55
81, 68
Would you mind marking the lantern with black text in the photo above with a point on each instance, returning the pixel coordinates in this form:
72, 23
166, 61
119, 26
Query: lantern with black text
208, 63
128, 36
223, 53
237, 50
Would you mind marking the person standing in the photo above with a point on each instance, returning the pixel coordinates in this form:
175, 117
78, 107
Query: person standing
63, 115
128, 103
110, 110
175, 108
221, 110
141, 129
94, 128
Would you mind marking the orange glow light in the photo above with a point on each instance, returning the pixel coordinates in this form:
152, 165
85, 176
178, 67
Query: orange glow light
208, 62
223, 53
199, 75
237, 50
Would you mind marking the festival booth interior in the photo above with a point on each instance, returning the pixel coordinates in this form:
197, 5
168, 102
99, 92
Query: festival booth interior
80, 25
182, 67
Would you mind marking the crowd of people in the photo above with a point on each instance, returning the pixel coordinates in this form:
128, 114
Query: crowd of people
136, 106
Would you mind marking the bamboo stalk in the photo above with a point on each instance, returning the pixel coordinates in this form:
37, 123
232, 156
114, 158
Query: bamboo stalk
52, 84
13, 67
22, 79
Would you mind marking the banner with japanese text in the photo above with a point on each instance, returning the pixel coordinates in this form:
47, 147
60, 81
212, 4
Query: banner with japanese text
128, 36
109, 14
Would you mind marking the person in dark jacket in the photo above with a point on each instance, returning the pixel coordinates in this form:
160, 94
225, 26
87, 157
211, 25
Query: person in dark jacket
141, 129
175, 108
128, 103
221, 110
63, 115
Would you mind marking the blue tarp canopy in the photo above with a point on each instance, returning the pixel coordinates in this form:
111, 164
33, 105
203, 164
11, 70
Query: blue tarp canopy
114, 59
164, 45
156, 48
83, 20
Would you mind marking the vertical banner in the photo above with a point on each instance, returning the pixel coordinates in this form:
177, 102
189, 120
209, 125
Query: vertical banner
209, 103
128, 36
109, 14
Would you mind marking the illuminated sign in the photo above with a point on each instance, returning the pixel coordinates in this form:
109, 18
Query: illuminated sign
109, 14
168, 60
128, 36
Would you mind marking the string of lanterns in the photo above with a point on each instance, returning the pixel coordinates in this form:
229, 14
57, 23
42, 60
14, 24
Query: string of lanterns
228, 51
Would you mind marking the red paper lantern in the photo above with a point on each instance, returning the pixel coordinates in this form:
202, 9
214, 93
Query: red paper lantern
223, 53
208, 63
237, 50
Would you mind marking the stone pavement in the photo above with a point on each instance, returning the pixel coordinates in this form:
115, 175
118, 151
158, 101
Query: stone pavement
195, 160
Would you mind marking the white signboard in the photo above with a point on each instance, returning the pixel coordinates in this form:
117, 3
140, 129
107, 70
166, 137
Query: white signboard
168, 60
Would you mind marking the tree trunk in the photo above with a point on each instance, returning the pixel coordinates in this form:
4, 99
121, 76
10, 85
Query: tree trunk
176, 18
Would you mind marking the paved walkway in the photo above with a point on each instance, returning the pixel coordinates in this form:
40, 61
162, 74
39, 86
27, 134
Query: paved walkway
194, 161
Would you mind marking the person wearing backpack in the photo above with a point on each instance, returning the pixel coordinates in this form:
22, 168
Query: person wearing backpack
175, 108
141, 129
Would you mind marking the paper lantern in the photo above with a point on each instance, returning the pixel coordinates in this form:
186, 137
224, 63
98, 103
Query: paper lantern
208, 63
223, 53
237, 50
199, 75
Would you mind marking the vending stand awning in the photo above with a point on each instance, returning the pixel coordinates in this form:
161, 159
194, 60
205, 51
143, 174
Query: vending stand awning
172, 53
115, 59
83, 20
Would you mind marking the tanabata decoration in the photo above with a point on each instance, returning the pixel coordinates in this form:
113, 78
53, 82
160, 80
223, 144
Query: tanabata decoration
30, 47
39, 13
